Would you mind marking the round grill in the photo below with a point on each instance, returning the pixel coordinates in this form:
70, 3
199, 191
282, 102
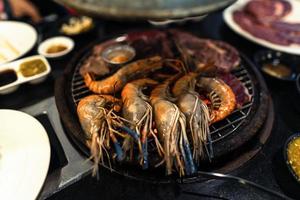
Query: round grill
229, 136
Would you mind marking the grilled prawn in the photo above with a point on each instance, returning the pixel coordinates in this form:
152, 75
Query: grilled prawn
171, 126
196, 112
137, 110
221, 95
100, 124
116, 82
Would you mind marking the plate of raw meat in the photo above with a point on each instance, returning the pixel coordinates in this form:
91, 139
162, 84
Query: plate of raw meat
271, 23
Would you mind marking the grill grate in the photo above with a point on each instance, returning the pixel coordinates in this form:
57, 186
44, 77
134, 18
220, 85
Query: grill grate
218, 130
231, 123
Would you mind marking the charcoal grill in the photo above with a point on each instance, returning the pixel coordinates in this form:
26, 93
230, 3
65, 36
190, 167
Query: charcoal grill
236, 135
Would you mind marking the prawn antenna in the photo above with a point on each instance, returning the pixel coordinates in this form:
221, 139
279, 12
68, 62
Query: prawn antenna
114, 93
186, 59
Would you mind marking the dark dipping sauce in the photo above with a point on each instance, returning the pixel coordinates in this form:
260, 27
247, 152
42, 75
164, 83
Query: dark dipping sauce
7, 77
277, 69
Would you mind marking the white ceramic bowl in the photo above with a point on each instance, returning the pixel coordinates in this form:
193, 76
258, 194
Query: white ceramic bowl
60, 40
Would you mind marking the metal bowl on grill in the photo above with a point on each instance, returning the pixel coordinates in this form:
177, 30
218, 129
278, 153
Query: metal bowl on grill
118, 54
229, 136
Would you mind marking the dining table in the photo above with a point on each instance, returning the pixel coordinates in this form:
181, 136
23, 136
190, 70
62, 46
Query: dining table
71, 183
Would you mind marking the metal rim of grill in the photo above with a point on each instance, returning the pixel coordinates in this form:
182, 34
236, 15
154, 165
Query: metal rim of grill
218, 130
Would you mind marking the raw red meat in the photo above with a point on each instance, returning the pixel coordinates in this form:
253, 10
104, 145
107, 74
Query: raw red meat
241, 92
261, 18
268, 10
250, 24
150, 43
286, 27
205, 51
95, 63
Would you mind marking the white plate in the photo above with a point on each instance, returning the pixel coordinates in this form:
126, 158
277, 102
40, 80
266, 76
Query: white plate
60, 40
25, 155
16, 39
294, 17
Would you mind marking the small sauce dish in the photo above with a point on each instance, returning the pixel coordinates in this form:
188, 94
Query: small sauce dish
276, 64
56, 47
292, 156
33, 69
118, 54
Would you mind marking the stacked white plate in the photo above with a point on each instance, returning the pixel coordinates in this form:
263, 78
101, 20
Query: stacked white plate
24, 155
16, 39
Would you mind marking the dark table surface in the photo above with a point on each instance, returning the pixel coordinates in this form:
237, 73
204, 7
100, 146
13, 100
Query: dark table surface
260, 169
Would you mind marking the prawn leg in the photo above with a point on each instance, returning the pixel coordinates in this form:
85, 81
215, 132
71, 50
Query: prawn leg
144, 141
137, 110
185, 148
118, 148
196, 113
171, 125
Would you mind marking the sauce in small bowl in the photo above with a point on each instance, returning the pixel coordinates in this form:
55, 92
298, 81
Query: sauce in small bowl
276, 64
7, 76
118, 54
32, 67
277, 69
56, 47
292, 155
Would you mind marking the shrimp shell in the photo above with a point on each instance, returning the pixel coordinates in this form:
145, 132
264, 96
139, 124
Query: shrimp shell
196, 112
220, 90
171, 126
131, 71
134, 101
94, 120
137, 110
